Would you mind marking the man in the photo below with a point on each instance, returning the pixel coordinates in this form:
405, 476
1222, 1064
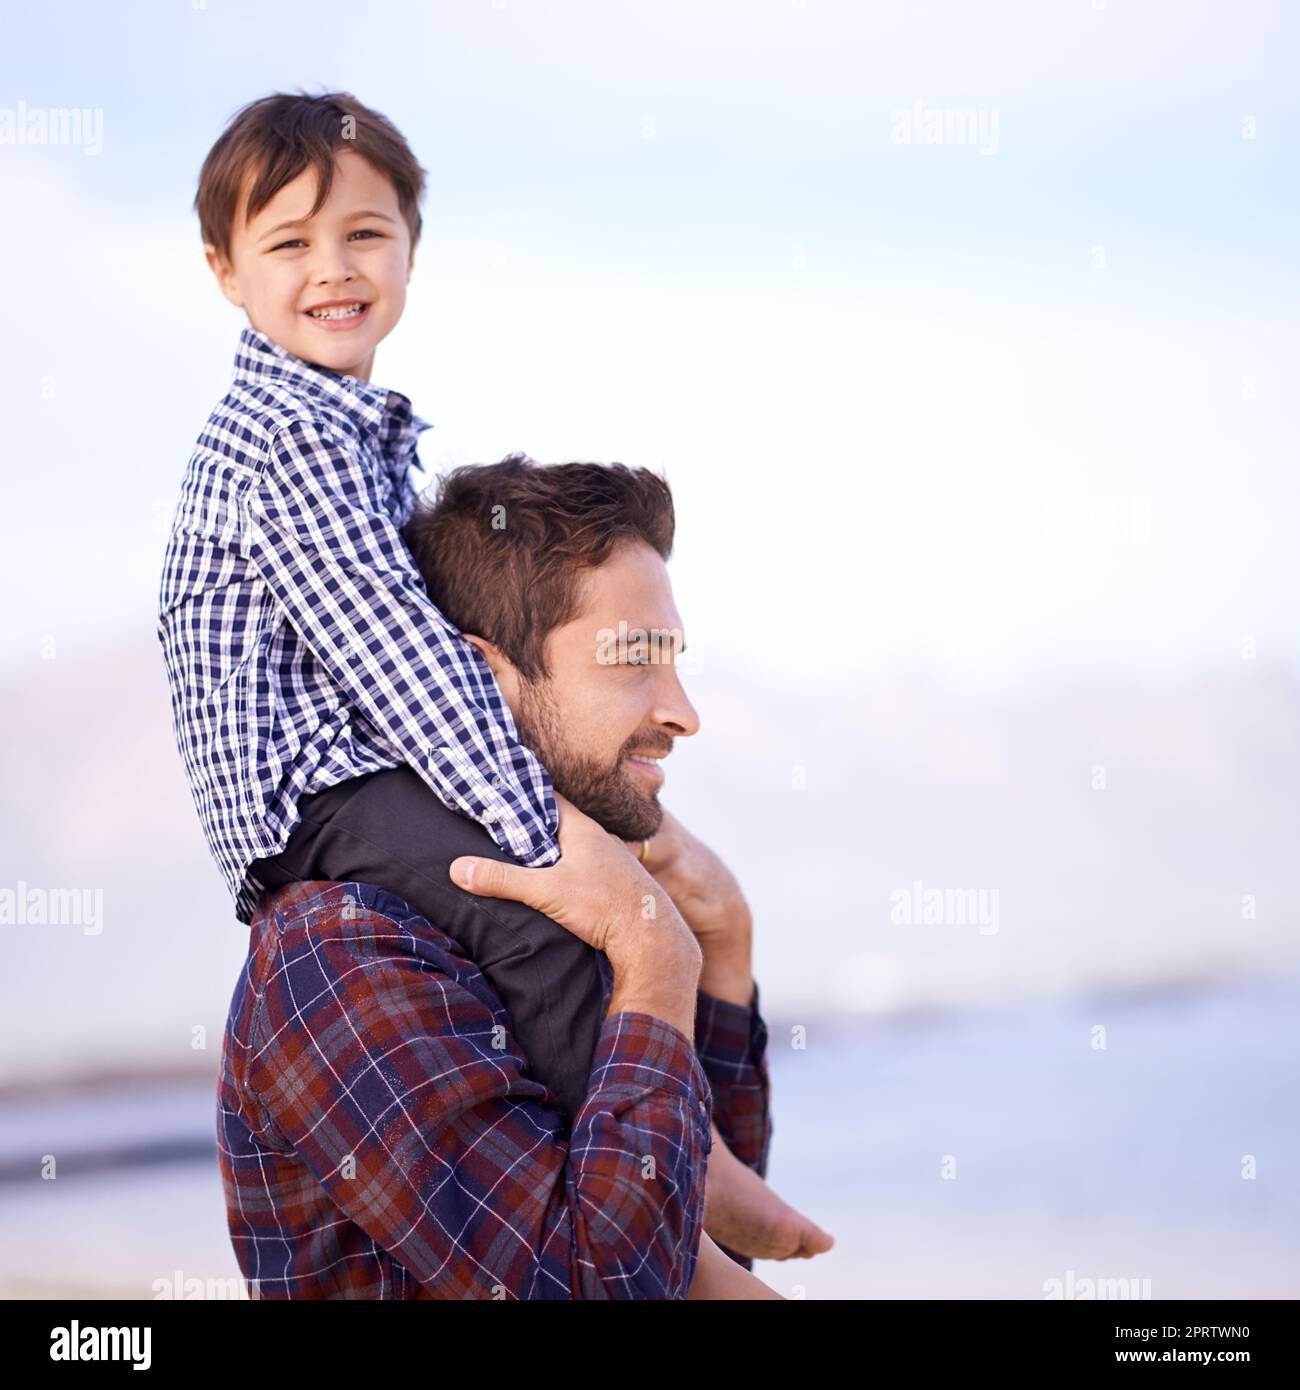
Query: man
343, 992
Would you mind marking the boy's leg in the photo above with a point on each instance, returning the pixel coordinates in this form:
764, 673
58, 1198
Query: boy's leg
390, 829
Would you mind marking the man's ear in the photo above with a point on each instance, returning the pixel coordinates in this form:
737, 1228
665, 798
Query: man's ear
502, 667
225, 273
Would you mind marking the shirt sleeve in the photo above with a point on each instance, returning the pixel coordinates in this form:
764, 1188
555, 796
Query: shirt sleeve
387, 1064
731, 1042
320, 537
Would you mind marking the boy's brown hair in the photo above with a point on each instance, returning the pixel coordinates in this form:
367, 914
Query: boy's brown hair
275, 138
503, 547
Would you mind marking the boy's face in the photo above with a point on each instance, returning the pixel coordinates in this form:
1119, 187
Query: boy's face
355, 251
606, 709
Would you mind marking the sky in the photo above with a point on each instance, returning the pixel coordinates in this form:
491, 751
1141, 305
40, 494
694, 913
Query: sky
989, 409
983, 454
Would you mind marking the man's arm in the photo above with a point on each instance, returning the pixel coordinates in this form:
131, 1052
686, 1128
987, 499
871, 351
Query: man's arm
731, 1042
378, 1059
730, 1035
599, 900
318, 534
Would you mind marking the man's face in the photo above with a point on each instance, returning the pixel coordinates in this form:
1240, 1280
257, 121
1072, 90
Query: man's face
355, 251
609, 708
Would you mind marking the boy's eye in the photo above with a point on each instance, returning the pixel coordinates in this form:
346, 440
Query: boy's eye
298, 241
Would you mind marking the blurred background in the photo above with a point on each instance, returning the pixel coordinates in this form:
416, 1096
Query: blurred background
965, 336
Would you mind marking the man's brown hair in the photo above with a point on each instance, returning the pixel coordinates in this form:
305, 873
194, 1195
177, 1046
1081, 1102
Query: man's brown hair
503, 546
275, 138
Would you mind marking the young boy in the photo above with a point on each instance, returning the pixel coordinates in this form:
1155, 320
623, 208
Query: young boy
304, 655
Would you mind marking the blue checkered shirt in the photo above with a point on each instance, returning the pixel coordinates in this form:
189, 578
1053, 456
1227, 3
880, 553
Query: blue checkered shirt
300, 642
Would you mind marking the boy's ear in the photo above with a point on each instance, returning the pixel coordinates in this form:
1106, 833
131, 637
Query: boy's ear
222, 269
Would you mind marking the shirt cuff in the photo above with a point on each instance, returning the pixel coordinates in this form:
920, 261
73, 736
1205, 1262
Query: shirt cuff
730, 1039
515, 827
636, 1053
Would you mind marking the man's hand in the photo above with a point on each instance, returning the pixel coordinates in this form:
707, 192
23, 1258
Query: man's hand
709, 899
704, 890
592, 891
604, 899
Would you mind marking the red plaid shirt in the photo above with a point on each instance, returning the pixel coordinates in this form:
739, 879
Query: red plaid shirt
379, 1135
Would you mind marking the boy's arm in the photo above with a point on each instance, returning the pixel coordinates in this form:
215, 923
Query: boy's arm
318, 534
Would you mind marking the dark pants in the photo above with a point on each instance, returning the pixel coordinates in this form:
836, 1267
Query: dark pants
390, 829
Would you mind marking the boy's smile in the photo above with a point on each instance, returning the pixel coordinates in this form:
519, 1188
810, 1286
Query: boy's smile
330, 288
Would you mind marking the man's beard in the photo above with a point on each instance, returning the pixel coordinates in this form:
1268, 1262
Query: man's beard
606, 794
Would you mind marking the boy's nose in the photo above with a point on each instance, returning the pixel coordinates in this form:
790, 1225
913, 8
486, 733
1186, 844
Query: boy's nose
333, 267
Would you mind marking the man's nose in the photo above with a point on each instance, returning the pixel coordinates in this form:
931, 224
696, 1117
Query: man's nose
676, 711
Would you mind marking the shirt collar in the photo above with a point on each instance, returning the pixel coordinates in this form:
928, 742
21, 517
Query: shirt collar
372, 409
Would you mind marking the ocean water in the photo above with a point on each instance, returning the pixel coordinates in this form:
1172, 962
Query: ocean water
974, 1155
1126, 1162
